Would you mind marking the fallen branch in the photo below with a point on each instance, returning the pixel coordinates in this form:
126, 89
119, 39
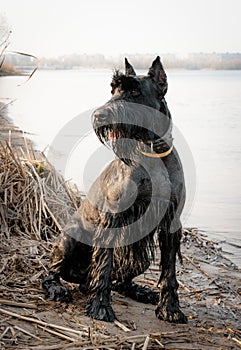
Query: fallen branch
60, 335
146, 343
196, 266
42, 323
238, 342
159, 343
122, 326
14, 303
26, 332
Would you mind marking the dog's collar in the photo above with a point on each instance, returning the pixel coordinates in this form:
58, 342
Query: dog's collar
157, 155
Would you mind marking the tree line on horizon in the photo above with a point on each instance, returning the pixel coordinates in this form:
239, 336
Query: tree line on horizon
192, 61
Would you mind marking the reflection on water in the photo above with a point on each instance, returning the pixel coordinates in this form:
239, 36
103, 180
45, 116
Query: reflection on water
205, 106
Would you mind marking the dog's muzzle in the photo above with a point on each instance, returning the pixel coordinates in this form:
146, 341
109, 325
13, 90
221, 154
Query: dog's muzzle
104, 126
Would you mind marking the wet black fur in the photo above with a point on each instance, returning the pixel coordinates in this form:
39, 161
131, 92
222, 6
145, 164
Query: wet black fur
99, 248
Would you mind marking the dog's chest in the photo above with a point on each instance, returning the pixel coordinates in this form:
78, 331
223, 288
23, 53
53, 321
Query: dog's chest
121, 185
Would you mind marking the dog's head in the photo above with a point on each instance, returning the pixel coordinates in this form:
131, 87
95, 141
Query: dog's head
147, 90
137, 115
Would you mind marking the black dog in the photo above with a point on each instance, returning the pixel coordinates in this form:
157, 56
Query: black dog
111, 238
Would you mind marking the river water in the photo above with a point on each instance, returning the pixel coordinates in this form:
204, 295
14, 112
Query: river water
206, 109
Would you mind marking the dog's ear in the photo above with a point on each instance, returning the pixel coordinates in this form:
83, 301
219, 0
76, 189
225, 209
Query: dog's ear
129, 70
157, 73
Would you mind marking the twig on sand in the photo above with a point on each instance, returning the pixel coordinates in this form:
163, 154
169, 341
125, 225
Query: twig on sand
122, 326
14, 303
184, 286
146, 343
26, 332
238, 342
58, 334
42, 323
159, 343
196, 266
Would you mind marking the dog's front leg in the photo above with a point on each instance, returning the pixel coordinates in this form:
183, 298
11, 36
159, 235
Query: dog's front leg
98, 305
168, 306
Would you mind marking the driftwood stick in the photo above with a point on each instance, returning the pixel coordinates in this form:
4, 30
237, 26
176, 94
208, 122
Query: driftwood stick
238, 342
60, 335
132, 337
103, 342
196, 266
42, 323
14, 303
184, 286
159, 343
146, 343
49, 347
121, 326
231, 330
26, 332
153, 335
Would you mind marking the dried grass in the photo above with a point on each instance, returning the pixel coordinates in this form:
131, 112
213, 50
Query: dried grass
34, 197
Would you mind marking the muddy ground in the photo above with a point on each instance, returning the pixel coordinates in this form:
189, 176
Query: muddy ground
210, 293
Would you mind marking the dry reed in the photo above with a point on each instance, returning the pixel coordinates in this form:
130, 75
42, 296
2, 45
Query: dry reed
34, 197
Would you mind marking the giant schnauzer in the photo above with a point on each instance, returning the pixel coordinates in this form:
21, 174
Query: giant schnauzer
139, 196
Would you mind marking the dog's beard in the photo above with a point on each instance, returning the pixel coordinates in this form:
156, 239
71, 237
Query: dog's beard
114, 135
130, 126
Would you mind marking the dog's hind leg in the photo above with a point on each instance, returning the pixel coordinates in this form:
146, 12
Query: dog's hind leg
98, 305
70, 260
132, 261
142, 294
168, 306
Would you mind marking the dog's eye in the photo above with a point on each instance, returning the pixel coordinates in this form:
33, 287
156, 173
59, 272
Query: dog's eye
135, 93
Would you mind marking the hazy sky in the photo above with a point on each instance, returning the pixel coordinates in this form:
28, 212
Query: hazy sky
51, 27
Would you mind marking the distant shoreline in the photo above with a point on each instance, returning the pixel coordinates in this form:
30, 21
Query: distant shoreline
192, 61
27, 71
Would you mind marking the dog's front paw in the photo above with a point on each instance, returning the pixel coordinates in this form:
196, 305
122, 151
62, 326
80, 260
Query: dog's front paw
100, 310
54, 290
170, 313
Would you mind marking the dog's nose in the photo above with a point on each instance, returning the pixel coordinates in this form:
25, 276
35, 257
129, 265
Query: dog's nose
101, 116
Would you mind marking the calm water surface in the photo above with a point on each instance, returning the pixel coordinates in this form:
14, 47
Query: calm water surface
206, 108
